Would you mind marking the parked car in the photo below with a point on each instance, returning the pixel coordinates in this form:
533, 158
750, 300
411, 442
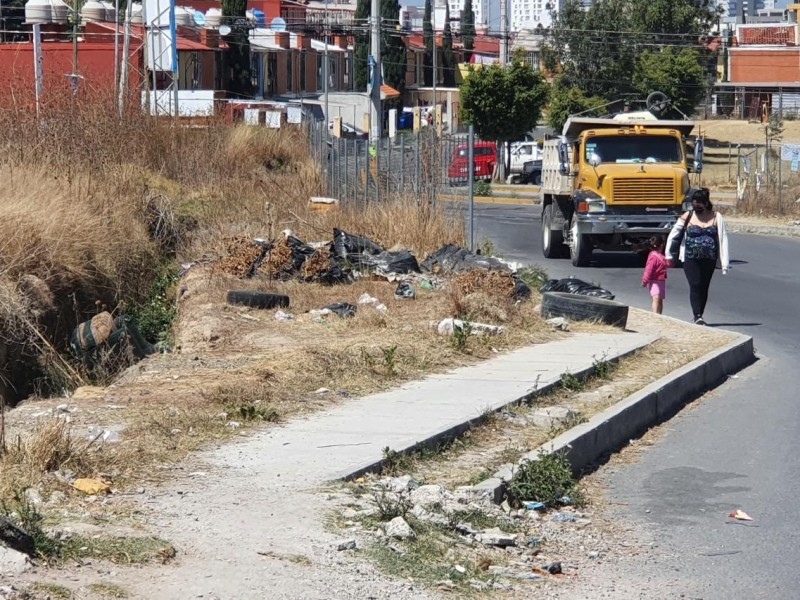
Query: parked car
485, 154
531, 172
521, 153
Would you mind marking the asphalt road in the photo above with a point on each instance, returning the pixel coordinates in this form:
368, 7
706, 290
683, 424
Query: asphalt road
737, 449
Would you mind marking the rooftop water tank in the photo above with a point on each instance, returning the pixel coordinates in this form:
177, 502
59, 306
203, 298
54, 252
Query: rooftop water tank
59, 12
182, 17
136, 13
111, 12
213, 17
260, 18
93, 11
38, 11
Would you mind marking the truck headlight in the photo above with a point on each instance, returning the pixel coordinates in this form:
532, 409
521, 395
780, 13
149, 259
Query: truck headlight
592, 206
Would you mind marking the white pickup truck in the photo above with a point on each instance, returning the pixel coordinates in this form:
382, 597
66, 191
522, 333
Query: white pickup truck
521, 153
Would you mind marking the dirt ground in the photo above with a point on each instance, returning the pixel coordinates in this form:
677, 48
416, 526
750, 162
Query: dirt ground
200, 503
743, 132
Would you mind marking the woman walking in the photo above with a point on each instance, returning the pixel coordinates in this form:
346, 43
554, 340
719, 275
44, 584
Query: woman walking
700, 234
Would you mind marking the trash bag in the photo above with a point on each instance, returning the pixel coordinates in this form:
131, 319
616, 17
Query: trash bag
521, 290
572, 285
352, 248
454, 259
301, 251
405, 290
387, 263
333, 276
343, 309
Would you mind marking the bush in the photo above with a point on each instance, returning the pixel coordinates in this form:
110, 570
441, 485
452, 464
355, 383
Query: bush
547, 479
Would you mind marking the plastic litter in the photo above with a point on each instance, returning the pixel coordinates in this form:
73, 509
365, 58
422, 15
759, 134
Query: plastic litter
343, 309
533, 542
565, 501
454, 259
386, 263
98, 434
283, 316
564, 518
449, 325
367, 299
740, 515
405, 290
572, 285
352, 248
534, 505
92, 486
428, 284
554, 568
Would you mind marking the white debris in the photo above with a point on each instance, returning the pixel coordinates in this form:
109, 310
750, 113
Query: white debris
449, 325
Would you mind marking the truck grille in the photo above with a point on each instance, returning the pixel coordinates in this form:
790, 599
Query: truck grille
661, 189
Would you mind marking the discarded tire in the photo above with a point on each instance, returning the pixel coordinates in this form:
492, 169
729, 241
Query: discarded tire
584, 308
253, 299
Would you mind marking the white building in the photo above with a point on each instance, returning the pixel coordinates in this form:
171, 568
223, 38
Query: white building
530, 14
479, 7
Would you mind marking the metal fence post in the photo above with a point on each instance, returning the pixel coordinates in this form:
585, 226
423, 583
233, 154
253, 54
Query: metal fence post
471, 186
367, 171
780, 182
356, 174
730, 157
417, 176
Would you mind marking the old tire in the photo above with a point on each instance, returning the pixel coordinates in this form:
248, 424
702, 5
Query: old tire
264, 300
580, 248
584, 308
552, 240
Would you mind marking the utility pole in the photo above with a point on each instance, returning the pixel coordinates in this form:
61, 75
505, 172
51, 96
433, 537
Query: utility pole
126, 46
435, 62
325, 73
76, 15
375, 134
116, 43
504, 32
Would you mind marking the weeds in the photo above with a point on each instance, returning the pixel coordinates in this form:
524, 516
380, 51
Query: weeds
571, 383
51, 591
389, 355
482, 188
460, 337
108, 590
391, 505
547, 479
156, 314
486, 247
248, 401
603, 369
534, 277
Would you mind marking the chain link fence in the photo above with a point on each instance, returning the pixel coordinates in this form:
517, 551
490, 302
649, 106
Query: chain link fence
419, 165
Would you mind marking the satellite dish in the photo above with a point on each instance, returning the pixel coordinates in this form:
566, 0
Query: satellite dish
224, 30
278, 24
199, 18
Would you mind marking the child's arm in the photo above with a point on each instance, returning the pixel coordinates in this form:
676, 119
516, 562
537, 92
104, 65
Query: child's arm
649, 269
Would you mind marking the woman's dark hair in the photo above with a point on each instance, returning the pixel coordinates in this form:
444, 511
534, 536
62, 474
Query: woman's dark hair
703, 196
657, 241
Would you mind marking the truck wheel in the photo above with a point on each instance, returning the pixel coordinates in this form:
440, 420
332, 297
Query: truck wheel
584, 308
580, 247
536, 178
552, 240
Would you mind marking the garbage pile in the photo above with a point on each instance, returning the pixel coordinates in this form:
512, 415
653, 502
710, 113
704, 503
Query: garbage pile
349, 257
572, 285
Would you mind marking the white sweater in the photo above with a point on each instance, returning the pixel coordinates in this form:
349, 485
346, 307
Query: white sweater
723, 259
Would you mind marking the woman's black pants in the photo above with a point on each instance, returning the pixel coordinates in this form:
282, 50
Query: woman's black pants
698, 274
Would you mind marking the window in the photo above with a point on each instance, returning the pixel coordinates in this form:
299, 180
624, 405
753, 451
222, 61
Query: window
320, 78
289, 69
627, 150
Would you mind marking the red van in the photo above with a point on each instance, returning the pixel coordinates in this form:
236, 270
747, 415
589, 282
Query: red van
485, 158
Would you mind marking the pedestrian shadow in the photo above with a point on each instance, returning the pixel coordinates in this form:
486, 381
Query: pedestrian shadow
734, 324
738, 262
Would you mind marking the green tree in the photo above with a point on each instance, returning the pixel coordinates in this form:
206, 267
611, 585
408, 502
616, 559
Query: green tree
448, 57
677, 73
428, 36
393, 50
598, 50
503, 104
568, 100
361, 54
468, 29
237, 56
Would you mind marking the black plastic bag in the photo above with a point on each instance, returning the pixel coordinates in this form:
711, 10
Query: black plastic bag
405, 290
301, 252
333, 276
392, 262
521, 290
572, 285
352, 248
454, 259
343, 309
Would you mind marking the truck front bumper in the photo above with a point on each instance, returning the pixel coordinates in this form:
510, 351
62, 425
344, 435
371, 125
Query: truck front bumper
606, 224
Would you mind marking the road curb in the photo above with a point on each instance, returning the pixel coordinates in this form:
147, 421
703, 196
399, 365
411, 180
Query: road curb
762, 229
434, 439
589, 444
491, 200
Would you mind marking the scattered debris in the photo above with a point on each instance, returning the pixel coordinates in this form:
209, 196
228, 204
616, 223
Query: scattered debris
15, 537
283, 316
554, 568
13, 562
558, 323
405, 290
502, 284
342, 309
740, 515
398, 528
495, 537
564, 518
98, 434
572, 285
346, 545
449, 325
534, 505
92, 487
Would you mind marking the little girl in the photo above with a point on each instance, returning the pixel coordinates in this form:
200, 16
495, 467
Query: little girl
655, 273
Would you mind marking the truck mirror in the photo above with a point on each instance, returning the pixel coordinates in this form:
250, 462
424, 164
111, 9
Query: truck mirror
698, 156
594, 160
563, 158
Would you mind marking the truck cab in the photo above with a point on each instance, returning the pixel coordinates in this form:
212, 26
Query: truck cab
613, 183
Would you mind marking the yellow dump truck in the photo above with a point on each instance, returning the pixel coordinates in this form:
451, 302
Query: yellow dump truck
612, 183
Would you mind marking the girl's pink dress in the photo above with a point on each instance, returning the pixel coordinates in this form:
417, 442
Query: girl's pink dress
655, 274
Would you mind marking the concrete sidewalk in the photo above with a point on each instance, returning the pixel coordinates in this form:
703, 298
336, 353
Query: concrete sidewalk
349, 439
